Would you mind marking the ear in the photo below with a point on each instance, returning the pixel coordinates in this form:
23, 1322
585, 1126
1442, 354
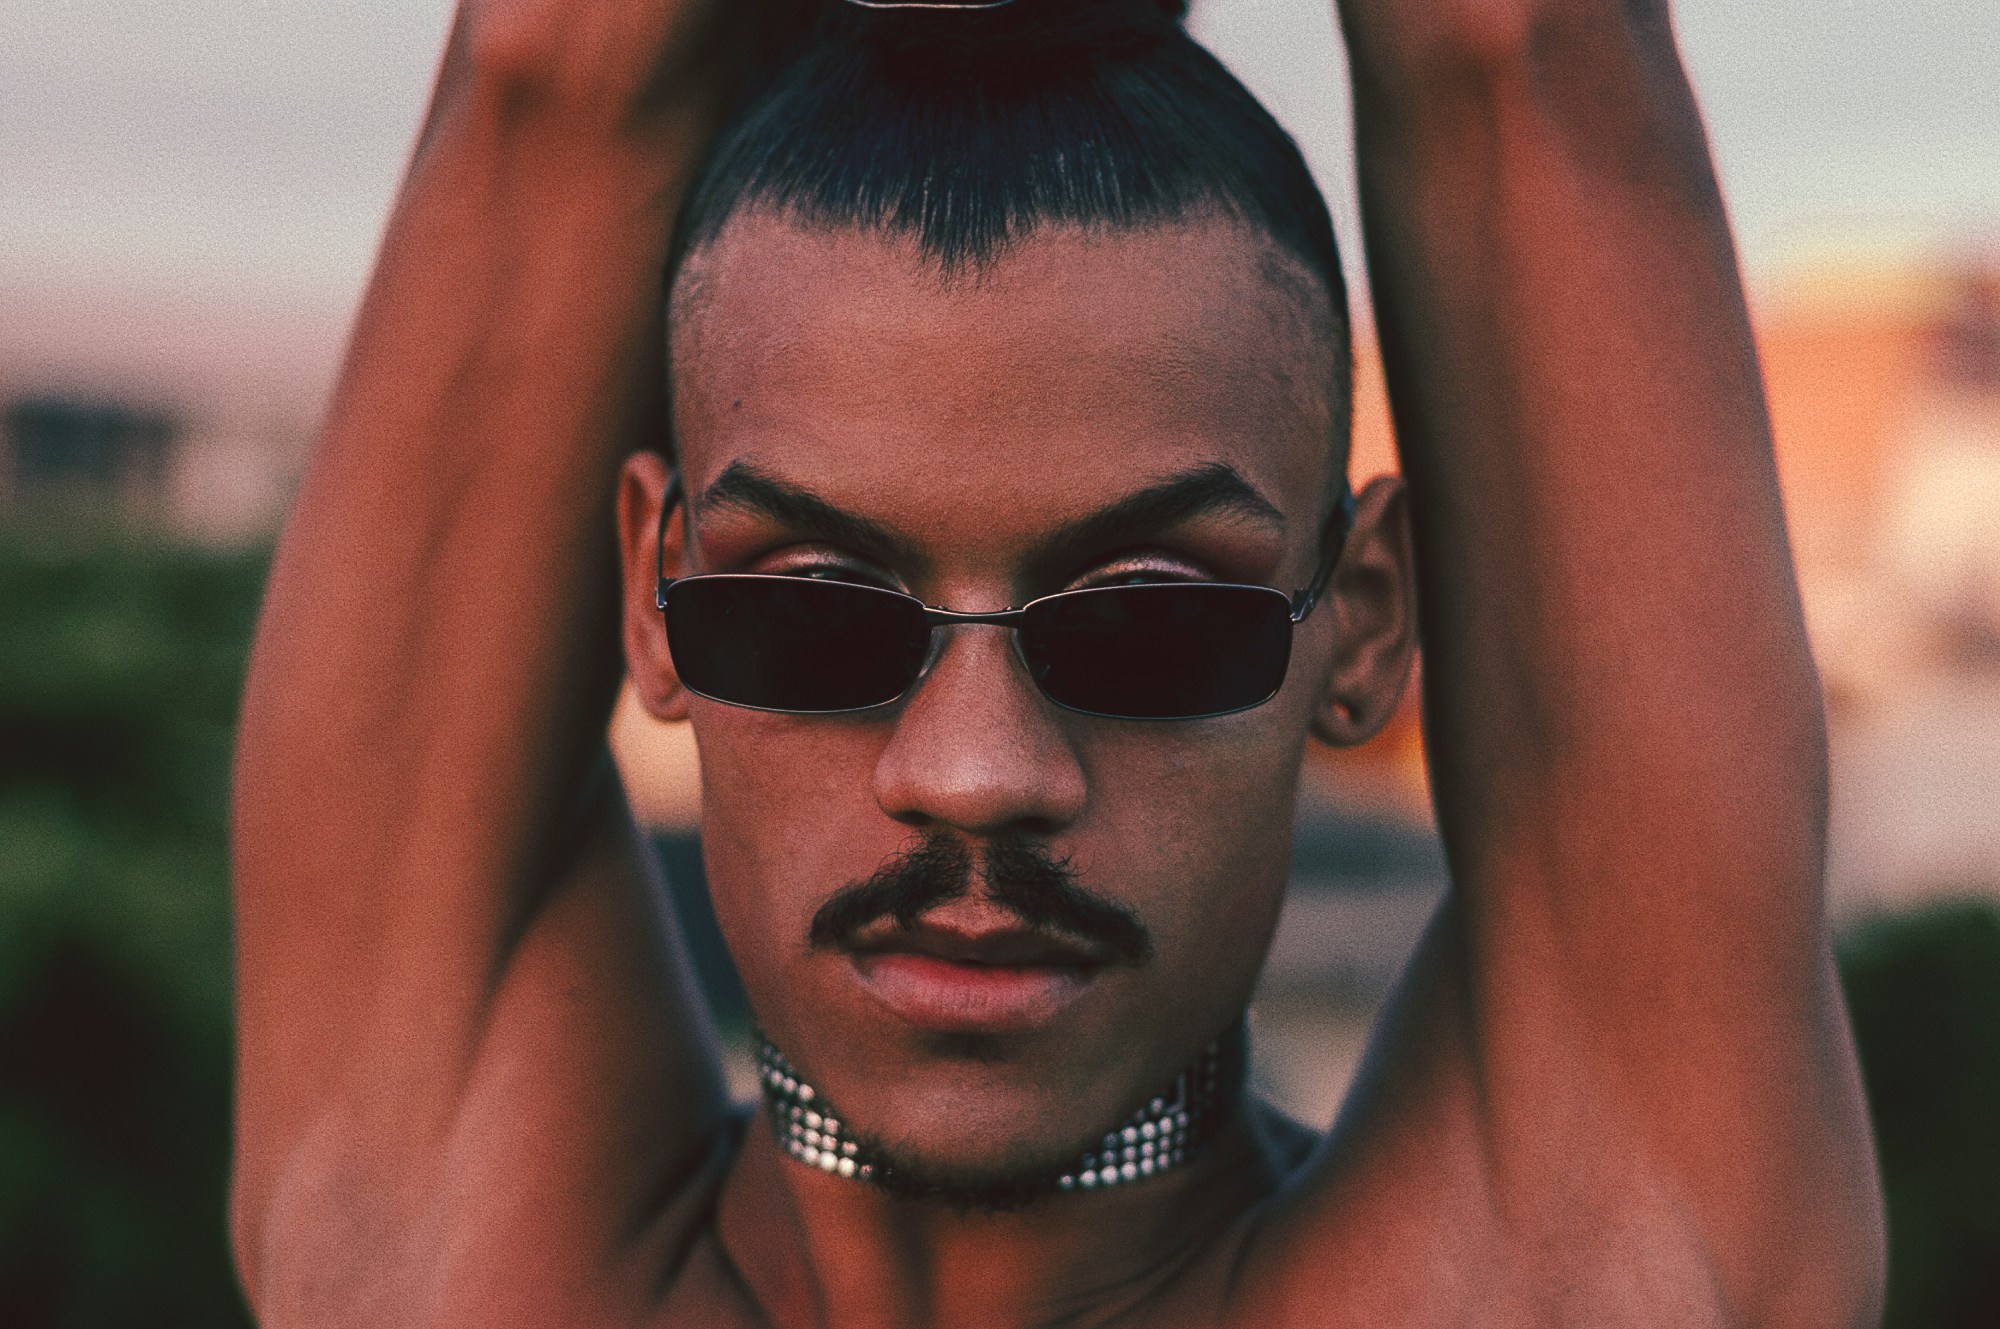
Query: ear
1373, 602
642, 486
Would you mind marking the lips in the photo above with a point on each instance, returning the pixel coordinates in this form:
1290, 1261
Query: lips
1004, 980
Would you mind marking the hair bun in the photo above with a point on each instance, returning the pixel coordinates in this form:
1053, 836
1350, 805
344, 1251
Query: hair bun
1010, 35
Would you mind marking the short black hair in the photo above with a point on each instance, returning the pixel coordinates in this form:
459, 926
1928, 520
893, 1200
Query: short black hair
966, 128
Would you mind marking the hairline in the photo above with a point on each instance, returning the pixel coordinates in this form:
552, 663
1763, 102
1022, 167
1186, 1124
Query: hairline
1322, 301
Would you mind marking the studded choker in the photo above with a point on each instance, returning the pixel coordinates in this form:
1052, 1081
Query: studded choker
1157, 1138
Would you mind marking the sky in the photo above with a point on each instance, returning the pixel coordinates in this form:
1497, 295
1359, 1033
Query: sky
227, 164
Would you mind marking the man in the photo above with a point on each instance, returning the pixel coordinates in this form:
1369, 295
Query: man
999, 882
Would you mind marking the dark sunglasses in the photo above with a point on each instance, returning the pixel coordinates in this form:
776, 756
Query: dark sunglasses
1150, 651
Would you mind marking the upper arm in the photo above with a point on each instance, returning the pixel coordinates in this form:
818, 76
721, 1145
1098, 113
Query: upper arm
1623, 1044
458, 978
453, 959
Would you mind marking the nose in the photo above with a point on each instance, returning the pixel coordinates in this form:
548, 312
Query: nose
977, 748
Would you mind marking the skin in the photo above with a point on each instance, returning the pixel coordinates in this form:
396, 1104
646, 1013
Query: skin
1616, 1084
939, 413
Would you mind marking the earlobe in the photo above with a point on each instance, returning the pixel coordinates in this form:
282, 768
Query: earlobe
1373, 599
642, 486
1348, 723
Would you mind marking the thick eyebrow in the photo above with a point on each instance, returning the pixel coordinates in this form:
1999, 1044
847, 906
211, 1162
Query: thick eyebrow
1212, 488
745, 488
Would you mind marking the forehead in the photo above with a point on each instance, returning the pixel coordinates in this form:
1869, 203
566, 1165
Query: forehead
1081, 361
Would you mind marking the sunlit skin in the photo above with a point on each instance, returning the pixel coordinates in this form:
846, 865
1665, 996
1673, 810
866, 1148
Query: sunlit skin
1615, 1085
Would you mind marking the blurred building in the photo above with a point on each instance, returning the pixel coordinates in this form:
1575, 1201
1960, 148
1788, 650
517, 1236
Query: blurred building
1886, 404
92, 456
1885, 395
188, 421
1943, 540
106, 458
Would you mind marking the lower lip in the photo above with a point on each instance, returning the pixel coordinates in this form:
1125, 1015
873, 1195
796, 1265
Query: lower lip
945, 997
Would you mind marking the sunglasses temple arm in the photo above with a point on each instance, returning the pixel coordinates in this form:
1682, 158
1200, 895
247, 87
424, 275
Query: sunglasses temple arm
667, 502
1338, 527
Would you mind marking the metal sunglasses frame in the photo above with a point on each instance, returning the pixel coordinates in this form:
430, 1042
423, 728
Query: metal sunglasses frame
1299, 604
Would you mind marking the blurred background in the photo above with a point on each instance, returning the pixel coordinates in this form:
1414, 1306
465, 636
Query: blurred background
189, 197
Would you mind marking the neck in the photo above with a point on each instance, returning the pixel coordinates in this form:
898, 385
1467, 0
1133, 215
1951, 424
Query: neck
824, 1246
815, 1249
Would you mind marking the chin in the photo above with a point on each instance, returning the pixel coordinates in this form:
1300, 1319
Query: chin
993, 1132
983, 1118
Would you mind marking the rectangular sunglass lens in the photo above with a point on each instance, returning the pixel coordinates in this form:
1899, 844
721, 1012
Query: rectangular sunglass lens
1159, 652
794, 644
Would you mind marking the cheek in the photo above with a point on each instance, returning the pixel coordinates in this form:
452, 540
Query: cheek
787, 819
1210, 795
1194, 830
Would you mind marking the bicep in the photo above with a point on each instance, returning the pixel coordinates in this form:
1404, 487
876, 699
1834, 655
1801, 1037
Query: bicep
1618, 1062
1623, 720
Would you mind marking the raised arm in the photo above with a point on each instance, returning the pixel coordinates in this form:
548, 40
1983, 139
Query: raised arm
468, 1056
1617, 1086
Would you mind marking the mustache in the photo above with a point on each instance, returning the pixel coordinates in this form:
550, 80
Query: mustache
1021, 876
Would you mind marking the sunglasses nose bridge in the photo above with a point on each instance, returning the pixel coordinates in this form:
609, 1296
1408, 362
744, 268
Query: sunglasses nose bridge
937, 619
998, 618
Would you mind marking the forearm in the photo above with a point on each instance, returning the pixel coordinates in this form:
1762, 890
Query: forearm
448, 555
438, 650
1606, 580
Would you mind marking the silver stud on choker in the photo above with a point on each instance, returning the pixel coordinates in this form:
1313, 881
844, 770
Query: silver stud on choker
1157, 1138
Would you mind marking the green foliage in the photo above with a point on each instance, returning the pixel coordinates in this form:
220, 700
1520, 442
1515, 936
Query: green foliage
1924, 990
119, 672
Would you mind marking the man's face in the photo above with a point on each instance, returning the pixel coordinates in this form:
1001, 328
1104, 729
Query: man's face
964, 433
